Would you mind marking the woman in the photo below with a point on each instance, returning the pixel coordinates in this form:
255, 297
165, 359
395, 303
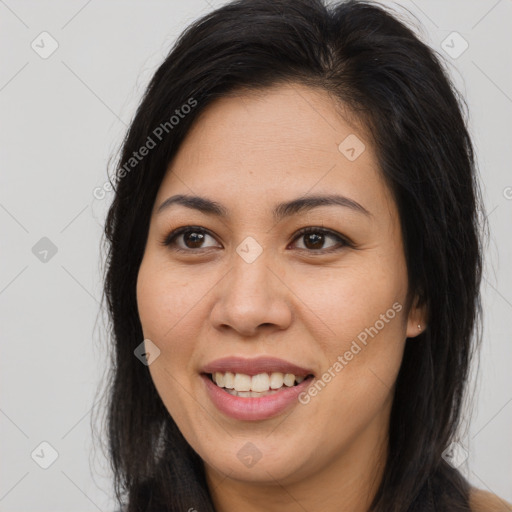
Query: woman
293, 271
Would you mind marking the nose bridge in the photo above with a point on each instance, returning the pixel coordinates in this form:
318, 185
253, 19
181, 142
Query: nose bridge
251, 279
251, 295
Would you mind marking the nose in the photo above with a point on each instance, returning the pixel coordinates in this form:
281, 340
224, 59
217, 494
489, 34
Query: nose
252, 298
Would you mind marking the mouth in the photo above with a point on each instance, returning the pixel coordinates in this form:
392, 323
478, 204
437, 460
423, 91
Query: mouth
253, 405
256, 386
254, 389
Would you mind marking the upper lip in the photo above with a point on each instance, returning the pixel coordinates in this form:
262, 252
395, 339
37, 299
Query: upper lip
255, 366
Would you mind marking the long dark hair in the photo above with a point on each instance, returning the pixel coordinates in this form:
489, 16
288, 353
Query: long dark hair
397, 86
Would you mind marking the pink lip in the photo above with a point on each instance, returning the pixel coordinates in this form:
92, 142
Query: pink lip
254, 366
253, 409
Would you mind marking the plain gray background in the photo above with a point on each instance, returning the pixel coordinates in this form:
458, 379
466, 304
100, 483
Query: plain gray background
63, 116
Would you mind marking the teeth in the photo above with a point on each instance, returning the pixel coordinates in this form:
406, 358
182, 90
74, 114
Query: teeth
219, 379
242, 382
276, 380
250, 394
260, 382
289, 380
229, 380
245, 385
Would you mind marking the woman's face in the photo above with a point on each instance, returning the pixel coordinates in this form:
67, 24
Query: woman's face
247, 284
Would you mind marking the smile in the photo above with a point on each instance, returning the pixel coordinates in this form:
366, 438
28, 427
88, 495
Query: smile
253, 405
262, 384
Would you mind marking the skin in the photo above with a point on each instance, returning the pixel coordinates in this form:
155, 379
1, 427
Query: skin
296, 301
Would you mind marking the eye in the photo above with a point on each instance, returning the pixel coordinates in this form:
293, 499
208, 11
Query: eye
192, 237
314, 239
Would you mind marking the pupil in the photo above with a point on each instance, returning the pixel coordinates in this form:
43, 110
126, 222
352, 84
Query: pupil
315, 239
195, 238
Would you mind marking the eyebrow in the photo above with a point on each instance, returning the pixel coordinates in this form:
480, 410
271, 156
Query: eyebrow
281, 211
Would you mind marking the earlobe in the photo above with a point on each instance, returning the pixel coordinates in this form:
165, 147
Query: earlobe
417, 320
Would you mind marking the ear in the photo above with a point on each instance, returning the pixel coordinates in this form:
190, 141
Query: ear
417, 319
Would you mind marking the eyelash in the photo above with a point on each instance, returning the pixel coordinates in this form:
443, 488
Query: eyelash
169, 240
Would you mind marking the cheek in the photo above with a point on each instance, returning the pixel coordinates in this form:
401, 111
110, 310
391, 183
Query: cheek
171, 304
362, 315
165, 311
164, 299
348, 300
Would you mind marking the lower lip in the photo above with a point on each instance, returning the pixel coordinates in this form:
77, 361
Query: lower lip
253, 409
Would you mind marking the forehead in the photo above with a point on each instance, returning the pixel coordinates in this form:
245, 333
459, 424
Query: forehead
278, 143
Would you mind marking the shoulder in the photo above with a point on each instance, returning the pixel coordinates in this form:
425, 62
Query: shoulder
483, 501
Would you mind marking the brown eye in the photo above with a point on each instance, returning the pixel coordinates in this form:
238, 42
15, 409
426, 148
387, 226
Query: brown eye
191, 238
315, 238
